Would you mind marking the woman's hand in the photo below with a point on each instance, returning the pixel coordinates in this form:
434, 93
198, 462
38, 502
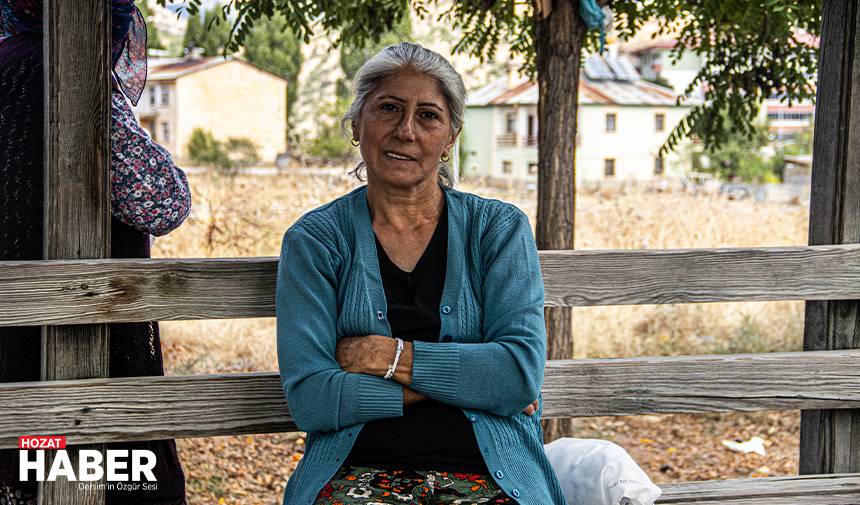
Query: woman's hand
531, 409
372, 355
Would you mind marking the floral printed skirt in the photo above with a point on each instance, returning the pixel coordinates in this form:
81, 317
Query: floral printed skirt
358, 485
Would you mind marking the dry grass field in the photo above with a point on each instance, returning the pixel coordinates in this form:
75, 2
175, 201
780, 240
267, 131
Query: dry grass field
247, 215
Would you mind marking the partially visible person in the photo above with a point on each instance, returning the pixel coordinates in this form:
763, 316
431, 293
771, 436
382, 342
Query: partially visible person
149, 196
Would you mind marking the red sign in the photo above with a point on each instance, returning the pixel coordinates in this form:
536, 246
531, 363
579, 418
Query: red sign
42, 442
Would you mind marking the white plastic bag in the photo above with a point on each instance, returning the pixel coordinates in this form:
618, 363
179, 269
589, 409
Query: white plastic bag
597, 472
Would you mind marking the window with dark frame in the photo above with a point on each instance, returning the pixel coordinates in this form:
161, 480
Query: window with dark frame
609, 167
610, 122
659, 122
658, 165
152, 92
533, 168
507, 167
165, 132
611, 119
165, 96
511, 122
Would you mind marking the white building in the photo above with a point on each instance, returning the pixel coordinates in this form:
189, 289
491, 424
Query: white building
622, 123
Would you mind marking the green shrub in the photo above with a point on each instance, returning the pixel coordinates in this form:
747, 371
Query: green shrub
237, 152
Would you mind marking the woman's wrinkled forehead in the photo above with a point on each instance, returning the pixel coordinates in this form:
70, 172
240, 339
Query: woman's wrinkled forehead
411, 85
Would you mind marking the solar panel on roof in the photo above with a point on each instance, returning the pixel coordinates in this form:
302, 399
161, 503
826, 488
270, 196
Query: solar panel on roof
628, 69
596, 68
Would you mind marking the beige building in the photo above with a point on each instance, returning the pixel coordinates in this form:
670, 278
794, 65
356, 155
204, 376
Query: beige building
227, 97
623, 121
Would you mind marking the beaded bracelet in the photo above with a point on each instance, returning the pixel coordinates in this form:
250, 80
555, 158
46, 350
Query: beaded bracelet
390, 373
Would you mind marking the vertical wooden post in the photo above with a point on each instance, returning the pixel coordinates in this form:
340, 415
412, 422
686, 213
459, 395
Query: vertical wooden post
77, 199
830, 439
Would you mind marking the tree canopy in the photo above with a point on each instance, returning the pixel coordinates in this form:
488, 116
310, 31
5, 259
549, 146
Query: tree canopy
153, 39
751, 49
207, 31
273, 46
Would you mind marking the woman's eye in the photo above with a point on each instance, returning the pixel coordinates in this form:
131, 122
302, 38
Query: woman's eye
429, 115
389, 107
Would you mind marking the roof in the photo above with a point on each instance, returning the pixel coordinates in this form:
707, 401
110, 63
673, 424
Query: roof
610, 80
169, 69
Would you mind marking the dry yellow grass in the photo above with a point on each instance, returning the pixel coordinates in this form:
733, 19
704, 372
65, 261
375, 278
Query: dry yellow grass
246, 216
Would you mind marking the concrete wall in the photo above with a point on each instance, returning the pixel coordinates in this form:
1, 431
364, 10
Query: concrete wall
233, 99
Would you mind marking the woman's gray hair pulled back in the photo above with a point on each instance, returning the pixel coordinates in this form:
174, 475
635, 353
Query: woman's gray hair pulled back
388, 62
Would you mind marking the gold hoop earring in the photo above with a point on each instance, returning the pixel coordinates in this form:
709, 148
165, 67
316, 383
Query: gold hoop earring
355, 142
446, 158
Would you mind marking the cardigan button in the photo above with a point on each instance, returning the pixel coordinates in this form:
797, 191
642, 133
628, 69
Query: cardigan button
446, 309
516, 493
500, 474
473, 418
380, 315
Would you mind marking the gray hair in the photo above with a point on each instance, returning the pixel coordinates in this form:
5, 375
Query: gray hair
388, 62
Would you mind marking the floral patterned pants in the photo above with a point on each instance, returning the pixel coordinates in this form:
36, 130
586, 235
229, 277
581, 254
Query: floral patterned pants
358, 485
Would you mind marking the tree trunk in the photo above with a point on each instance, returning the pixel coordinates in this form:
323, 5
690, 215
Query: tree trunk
559, 35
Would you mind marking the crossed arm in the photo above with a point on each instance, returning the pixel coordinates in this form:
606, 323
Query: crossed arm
373, 354
331, 383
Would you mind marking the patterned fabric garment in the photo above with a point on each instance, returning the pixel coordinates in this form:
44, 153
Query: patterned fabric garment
149, 192
128, 38
358, 485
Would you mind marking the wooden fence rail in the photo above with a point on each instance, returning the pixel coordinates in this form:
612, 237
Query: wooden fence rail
117, 290
146, 408
833, 489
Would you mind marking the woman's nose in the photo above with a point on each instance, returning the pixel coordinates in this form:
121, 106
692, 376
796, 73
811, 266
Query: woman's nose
405, 131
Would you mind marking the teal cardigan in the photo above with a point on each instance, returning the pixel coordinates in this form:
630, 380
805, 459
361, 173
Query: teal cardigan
489, 359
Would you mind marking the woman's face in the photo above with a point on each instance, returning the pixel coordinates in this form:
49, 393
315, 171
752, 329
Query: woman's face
404, 128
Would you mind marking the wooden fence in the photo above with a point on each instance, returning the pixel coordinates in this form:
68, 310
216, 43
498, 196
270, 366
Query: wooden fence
74, 298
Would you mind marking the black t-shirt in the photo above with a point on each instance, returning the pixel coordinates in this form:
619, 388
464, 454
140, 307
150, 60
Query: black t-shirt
430, 435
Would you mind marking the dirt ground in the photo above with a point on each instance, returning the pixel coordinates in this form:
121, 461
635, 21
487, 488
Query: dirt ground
253, 470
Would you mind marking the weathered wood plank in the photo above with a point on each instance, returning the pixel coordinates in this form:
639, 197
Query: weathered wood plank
77, 188
143, 408
100, 291
834, 489
830, 440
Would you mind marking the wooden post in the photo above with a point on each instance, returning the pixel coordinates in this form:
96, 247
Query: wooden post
830, 439
77, 199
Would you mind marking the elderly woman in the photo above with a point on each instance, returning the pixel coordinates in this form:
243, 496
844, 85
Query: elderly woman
411, 338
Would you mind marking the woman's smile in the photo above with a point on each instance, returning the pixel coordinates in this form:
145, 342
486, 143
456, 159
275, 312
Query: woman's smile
398, 156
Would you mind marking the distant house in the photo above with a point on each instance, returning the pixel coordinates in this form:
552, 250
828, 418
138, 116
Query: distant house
227, 97
623, 121
652, 59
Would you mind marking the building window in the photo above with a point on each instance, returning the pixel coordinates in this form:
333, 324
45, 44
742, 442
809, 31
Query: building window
609, 167
610, 122
533, 168
658, 165
788, 115
659, 122
152, 92
511, 122
165, 96
165, 132
507, 167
